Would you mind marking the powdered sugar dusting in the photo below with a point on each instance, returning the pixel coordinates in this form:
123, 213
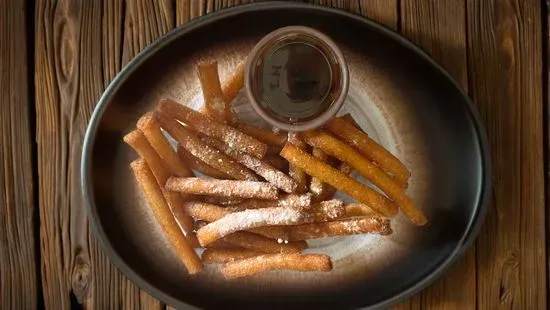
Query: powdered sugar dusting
225, 188
249, 219
263, 169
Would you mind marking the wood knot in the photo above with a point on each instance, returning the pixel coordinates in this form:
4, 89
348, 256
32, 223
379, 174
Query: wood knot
81, 277
509, 278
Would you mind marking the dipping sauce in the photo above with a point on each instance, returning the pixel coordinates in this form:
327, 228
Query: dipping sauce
295, 78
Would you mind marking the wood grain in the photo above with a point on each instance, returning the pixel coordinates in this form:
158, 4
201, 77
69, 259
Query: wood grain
80, 46
439, 27
18, 274
505, 70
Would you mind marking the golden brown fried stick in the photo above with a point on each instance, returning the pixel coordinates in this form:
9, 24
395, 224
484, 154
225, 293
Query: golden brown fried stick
252, 241
200, 166
292, 200
151, 129
211, 213
211, 256
329, 191
326, 210
163, 214
318, 188
207, 126
223, 188
259, 218
263, 169
294, 171
332, 176
136, 139
359, 209
249, 219
214, 104
369, 148
259, 264
204, 152
233, 84
353, 226
367, 169
221, 201
265, 135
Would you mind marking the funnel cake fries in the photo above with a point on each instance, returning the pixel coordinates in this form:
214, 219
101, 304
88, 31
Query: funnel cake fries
359, 209
214, 104
196, 164
339, 228
249, 219
263, 169
207, 126
206, 153
265, 192
164, 216
256, 218
211, 213
151, 129
342, 151
369, 148
332, 176
224, 188
233, 85
258, 264
139, 143
251, 241
294, 171
221, 256
292, 200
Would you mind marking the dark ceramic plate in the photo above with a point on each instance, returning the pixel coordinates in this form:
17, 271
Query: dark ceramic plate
398, 94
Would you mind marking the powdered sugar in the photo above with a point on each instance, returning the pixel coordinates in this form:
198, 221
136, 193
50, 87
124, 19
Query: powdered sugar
249, 219
224, 188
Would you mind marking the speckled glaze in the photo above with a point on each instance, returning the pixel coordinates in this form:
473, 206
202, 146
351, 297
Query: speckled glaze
397, 94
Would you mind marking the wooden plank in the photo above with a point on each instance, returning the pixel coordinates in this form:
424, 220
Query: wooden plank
18, 272
439, 28
72, 70
505, 66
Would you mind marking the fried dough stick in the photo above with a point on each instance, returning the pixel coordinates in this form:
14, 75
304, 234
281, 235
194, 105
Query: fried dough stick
212, 256
234, 84
139, 143
369, 148
367, 169
292, 200
163, 214
214, 104
210, 155
258, 218
332, 176
207, 126
262, 168
223, 188
295, 172
259, 264
152, 131
196, 164
340, 228
257, 242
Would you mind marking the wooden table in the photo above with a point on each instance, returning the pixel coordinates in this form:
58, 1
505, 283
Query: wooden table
56, 57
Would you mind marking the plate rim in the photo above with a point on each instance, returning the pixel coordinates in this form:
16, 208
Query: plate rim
476, 218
